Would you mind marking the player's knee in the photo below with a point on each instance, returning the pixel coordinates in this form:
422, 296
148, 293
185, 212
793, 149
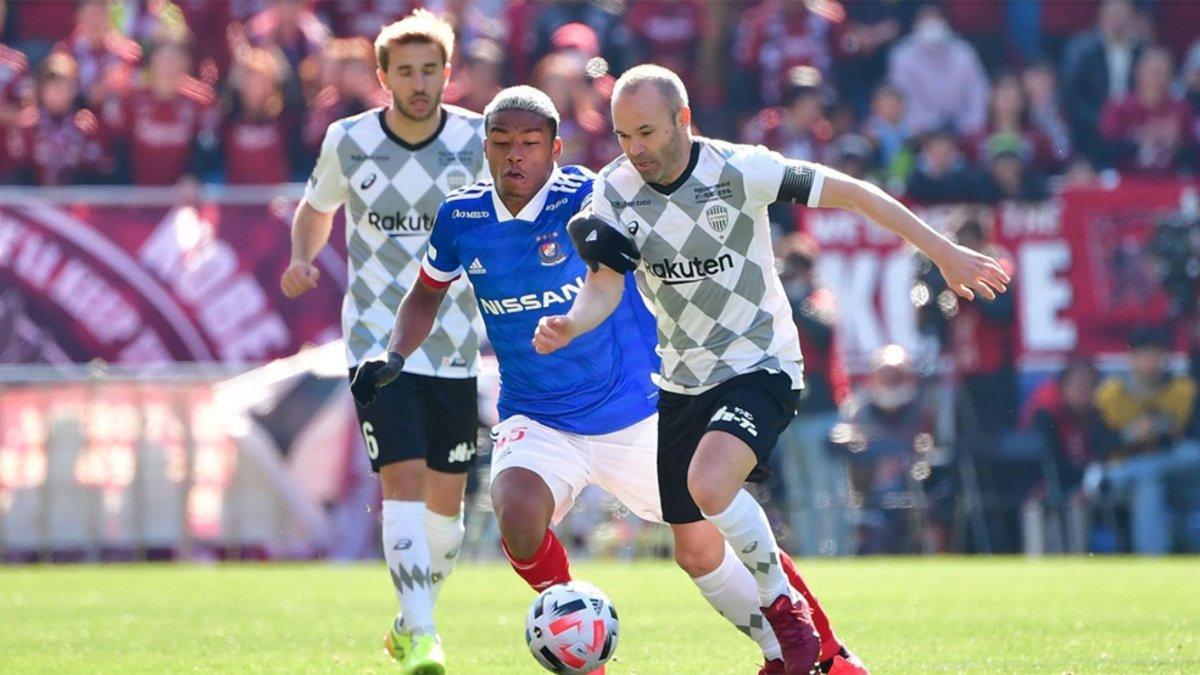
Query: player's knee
698, 560
522, 526
403, 481
709, 491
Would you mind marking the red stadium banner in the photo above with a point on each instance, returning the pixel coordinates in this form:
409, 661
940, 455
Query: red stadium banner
1084, 275
135, 284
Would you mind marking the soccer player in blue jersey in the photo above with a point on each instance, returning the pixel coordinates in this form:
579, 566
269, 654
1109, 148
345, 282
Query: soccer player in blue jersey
585, 415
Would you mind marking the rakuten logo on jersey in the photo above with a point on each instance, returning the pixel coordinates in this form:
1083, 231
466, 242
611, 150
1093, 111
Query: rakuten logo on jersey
690, 271
531, 301
398, 225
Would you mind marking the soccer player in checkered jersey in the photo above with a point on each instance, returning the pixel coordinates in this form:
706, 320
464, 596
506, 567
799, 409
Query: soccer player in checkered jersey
690, 215
392, 167
584, 416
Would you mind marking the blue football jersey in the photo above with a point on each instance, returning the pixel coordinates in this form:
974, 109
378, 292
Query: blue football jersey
524, 267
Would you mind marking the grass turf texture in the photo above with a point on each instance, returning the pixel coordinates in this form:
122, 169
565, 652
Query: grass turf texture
900, 615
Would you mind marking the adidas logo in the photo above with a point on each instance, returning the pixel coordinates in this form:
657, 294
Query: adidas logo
476, 267
591, 236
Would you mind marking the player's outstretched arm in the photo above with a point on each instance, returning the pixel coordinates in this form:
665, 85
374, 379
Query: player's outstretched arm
600, 295
966, 271
310, 233
414, 320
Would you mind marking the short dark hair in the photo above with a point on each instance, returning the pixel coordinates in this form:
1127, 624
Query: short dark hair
523, 97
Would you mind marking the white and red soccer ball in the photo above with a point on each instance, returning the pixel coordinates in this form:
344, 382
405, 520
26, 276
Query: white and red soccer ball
571, 628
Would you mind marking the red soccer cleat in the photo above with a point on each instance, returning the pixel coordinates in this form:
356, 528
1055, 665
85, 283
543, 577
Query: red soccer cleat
598, 671
772, 667
798, 638
844, 663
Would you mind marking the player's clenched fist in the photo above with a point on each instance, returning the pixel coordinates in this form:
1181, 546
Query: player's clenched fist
374, 375
299, 278
552, 333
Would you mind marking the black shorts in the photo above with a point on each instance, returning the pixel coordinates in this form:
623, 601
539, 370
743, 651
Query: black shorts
755, 407
420, 417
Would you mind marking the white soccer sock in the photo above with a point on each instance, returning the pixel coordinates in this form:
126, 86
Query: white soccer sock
407, 551
747, 530
732, 591
445, 535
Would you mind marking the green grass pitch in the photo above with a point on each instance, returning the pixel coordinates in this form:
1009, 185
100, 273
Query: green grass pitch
901, 615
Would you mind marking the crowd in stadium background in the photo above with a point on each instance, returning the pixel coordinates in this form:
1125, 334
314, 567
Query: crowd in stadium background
973, 101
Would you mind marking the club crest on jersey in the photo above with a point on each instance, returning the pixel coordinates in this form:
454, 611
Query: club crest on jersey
717, 217
456, 179
549, 251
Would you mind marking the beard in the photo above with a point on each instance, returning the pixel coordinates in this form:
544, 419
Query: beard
669, 158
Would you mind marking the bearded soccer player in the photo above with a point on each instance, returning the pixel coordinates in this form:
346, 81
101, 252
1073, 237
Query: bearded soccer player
690, 215
583, 416
392, 167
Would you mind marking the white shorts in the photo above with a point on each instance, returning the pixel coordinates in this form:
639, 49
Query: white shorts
624, 463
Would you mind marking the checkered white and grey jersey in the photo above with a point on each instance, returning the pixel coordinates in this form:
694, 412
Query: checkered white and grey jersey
707, 263
392, 191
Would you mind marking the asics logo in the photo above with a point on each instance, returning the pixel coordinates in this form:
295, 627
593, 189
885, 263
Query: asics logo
751, 548
403, 545
370, 180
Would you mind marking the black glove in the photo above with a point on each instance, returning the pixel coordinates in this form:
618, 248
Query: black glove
598, 244
372, 376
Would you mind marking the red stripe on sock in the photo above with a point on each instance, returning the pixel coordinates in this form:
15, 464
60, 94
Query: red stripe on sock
548, 565
829, 642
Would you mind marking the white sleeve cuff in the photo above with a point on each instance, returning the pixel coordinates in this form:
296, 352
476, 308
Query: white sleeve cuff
814, 193
438, 275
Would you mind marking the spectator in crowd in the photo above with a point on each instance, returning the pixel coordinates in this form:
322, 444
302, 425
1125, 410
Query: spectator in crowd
1150, 408
853, 155
983, 344
1098, 66
1081, 174
1040, 82
206, 21
15, 85
613, 39
888, 440
1150, 131
863, 42
815, 482
166, 130
774, 37
585, 129
798, 129
1010, 173
1189, 76
290, 26
940, 77
257, 131
479, 79
472, 19
107, 60
885, 128
36, 26
671, 33
1063, 416
58, 143
1009, 115
941, 174
347, 86
362, 18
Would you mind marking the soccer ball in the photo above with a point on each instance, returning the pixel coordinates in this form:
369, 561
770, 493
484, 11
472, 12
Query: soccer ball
571, 628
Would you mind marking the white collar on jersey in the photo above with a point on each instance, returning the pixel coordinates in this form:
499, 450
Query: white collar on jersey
532, 209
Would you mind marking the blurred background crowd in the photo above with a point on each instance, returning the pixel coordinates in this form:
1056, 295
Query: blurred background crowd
909, 450
975, 100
